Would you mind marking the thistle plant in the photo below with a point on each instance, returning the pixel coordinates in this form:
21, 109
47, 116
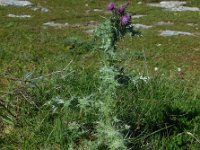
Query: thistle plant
107, 34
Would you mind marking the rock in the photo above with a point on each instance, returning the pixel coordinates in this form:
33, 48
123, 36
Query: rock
137, 16
18, 16
174, 6
56, 25
174, 33
142, 26
15, 3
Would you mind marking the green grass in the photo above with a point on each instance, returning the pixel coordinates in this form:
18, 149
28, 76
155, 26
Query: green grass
162, 113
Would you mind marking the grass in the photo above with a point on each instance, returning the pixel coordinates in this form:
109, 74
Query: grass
59, 108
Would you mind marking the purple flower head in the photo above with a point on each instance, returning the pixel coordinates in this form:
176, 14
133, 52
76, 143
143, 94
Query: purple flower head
125, 19
122, 8
111, 6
